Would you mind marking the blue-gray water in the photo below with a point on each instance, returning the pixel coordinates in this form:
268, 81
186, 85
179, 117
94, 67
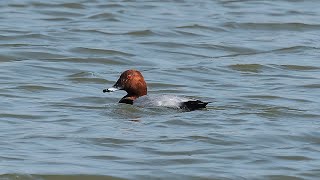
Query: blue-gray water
256, 61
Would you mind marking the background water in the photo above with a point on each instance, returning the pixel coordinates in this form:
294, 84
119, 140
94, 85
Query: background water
256, 61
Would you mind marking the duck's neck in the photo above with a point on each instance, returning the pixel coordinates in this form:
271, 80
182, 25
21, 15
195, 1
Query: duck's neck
133, 95
128, 99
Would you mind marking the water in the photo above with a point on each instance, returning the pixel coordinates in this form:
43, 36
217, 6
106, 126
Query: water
256, 61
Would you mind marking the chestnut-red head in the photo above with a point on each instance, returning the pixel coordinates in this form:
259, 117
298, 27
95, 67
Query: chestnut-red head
132, 82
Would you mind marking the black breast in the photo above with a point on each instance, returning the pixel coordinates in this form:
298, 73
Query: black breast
126, 101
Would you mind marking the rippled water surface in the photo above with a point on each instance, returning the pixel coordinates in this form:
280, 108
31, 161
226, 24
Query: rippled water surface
257, 62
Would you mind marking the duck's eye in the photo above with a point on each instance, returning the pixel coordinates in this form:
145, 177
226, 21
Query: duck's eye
129, 76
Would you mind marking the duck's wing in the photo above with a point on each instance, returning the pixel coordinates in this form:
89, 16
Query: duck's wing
170, 101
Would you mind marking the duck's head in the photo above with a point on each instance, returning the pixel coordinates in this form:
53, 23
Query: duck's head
132, 82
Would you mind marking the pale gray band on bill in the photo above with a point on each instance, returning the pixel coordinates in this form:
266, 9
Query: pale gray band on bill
112, 89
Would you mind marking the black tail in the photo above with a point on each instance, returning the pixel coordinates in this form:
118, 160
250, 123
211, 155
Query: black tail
193, 105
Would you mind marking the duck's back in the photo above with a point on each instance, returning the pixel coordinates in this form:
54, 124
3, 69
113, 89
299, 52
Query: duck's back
169, 101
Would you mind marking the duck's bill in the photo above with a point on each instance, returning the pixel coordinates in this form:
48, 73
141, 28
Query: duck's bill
112, 89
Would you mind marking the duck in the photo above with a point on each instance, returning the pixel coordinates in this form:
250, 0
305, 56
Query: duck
134, 84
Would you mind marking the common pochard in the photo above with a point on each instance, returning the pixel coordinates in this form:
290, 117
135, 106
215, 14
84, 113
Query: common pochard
134, 84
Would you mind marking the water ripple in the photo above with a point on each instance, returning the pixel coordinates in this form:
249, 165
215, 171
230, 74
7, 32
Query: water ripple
273, 26
96, 51
255, 61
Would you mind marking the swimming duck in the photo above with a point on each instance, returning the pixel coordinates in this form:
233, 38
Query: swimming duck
134, 84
